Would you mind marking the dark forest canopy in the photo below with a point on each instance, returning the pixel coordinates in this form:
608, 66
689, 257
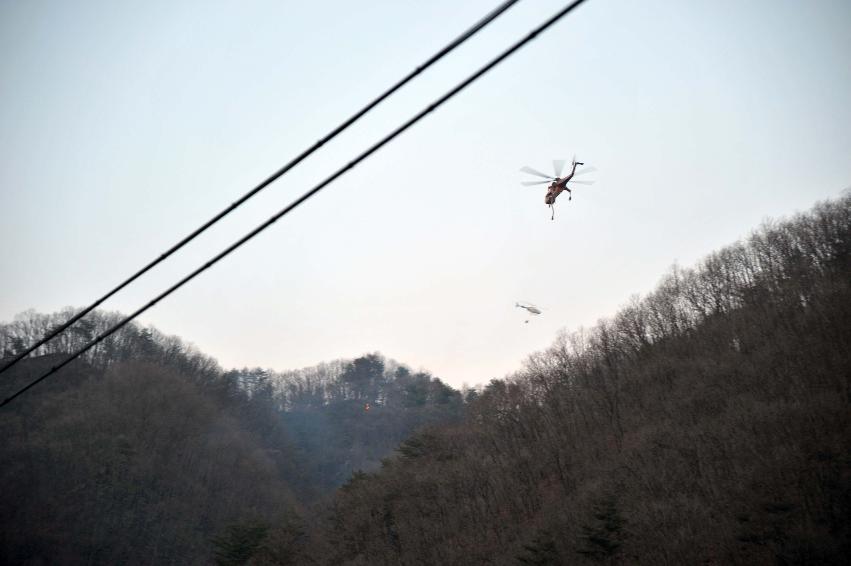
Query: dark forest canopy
707, 422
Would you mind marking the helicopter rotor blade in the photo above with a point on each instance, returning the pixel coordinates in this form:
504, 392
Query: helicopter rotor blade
585, 170
558, 165
530, 183
581, 182
527, 169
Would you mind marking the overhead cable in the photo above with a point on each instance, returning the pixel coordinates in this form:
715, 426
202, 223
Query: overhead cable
269, 180
340, 172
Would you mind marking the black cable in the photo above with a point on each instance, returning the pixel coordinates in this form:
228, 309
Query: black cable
275, 176
505, 54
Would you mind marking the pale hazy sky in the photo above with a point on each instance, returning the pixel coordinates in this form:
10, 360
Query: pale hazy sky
124, 125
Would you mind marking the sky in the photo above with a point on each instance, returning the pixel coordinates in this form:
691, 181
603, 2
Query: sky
125, 125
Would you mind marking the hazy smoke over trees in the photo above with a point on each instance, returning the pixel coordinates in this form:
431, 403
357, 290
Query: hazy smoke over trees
147, 448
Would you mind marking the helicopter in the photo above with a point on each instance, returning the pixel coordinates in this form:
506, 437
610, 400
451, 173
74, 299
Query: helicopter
557, 183
529, 307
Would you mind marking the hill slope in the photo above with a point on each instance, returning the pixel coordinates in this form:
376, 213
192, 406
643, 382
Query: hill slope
706, 423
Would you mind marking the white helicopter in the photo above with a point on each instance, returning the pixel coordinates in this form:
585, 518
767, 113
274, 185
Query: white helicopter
532, 309
557, 183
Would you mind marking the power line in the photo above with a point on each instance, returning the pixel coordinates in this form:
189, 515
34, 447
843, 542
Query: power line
269, 180
340, 172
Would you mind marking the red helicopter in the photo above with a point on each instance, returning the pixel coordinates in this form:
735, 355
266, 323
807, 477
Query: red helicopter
557, 183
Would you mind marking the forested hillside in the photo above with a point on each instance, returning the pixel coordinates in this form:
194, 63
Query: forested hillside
147, 451
706, 423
